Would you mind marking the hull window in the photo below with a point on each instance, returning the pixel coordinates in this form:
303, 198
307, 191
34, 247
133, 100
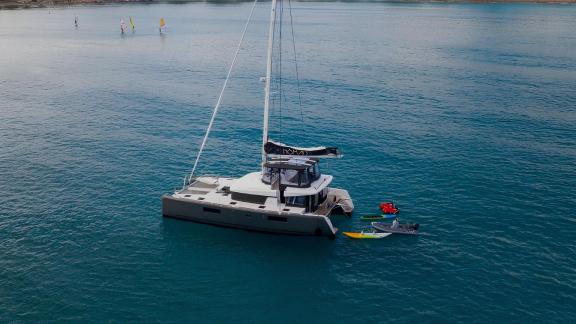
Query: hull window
211, 210
278, 219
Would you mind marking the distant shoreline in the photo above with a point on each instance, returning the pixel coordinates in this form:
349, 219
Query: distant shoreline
23, 4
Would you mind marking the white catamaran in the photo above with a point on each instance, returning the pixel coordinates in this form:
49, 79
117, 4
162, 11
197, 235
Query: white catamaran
289, 195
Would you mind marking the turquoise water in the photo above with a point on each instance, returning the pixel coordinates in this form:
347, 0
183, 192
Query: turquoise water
465, 115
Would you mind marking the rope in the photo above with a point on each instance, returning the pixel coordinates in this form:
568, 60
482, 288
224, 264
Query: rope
296, 64
222, 91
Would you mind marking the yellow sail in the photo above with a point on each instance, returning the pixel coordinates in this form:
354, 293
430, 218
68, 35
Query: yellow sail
162, 23
132, 23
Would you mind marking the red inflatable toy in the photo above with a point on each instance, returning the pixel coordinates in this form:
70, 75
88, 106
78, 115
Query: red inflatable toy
388, 208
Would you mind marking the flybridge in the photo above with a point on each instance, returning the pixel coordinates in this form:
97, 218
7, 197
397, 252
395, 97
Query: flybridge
292, 172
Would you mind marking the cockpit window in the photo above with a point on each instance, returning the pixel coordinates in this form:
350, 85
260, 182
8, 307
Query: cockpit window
297, 201
289, 177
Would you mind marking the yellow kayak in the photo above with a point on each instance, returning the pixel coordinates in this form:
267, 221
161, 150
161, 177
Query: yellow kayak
363, 235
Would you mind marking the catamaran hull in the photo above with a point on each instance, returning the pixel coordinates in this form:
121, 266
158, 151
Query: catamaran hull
265, 221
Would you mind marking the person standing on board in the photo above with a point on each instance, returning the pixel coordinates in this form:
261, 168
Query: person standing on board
162, 25
395, 224
122, 26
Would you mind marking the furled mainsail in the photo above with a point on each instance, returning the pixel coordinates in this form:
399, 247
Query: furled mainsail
279, 149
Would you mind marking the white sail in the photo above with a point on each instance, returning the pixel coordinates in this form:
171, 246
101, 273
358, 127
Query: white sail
122, 26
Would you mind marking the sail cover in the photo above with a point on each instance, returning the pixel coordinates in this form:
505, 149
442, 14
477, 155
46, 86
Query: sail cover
279, 149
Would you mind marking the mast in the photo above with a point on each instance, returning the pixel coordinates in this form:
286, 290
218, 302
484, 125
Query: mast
268, 80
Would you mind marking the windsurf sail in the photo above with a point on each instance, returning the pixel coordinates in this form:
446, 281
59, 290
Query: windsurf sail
276, 149
162, 25
122, 26
132, 23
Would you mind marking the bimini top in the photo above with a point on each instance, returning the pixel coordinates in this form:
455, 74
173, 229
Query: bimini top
293, 163
251, 184
276, 149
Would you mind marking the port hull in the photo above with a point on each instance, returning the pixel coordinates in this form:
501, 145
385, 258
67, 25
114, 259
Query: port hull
246, 218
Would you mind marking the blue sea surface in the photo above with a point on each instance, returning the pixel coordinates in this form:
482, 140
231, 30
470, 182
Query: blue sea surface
463, 114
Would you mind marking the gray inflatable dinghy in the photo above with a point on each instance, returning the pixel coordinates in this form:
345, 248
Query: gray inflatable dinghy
401, 229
